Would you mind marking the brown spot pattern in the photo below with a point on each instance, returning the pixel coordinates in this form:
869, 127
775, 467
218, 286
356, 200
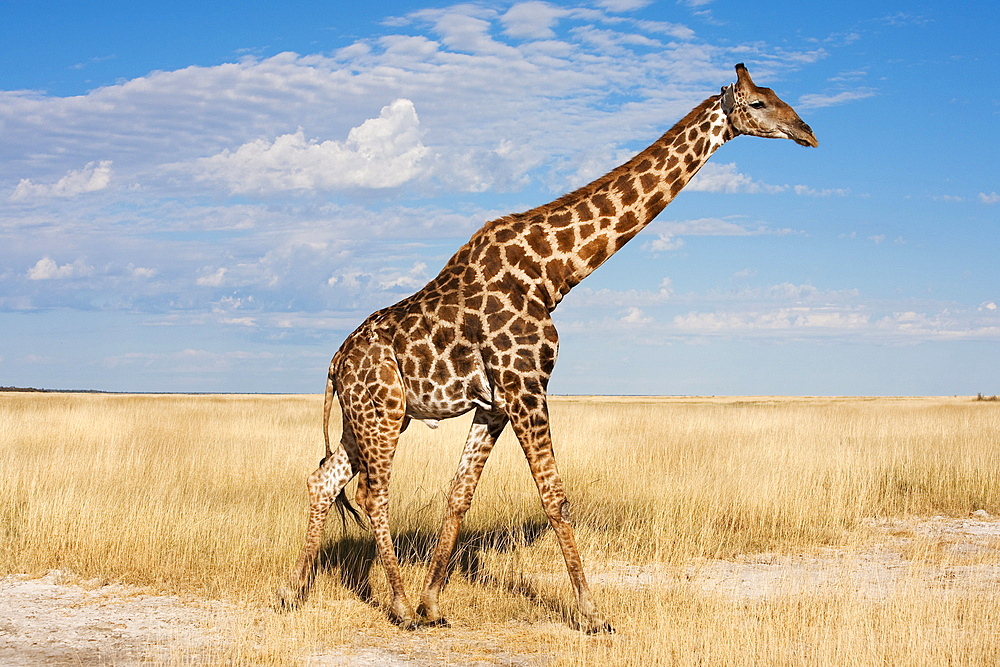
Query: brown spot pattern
479, 336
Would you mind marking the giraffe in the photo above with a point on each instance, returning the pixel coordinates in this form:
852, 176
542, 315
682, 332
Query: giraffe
479, 337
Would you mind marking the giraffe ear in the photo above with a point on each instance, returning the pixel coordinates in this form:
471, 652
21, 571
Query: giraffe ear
728, 99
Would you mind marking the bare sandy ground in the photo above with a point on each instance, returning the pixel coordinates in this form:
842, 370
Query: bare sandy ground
48, 622
51, 621
952, 556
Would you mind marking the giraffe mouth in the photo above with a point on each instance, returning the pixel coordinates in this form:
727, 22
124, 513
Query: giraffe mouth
808, 140
802, 135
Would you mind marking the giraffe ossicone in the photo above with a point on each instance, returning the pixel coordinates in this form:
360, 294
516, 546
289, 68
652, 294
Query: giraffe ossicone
479, 337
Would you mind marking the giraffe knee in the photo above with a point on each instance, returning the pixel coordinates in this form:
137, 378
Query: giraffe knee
459, 505
564, 511
558, 510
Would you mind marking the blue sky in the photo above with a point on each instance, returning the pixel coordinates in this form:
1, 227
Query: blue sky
210, 196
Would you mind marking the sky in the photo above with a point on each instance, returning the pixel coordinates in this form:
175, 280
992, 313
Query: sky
208, 197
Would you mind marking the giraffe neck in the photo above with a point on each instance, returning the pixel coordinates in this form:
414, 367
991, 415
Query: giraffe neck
583, 229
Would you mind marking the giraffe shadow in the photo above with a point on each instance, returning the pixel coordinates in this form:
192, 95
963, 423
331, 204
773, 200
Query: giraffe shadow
353, 556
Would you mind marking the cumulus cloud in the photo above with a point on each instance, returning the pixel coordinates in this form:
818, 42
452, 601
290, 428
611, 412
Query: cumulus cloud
724, 177
531, 20
93, 177
465, 28
664, 243
584, 296
716, 177
382, 152
807, 191
720, 227
213, 279
625, 5
781, 319
672, 231
47, 269
818, 101
140, 271
991, 198
506, 99
635, 315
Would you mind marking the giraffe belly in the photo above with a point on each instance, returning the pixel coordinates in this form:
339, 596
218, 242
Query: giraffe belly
426, 400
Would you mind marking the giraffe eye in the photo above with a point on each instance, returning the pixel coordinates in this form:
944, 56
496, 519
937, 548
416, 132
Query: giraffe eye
758, 104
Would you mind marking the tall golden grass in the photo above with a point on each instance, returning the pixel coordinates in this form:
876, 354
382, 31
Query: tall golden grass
204, 495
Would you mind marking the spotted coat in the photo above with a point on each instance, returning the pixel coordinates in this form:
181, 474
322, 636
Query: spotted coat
479, 336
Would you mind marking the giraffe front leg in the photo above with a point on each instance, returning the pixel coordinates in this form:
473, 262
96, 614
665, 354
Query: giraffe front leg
324, 485
531, 425
482, 436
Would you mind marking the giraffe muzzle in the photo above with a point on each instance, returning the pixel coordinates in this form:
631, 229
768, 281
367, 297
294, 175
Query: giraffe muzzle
802, 135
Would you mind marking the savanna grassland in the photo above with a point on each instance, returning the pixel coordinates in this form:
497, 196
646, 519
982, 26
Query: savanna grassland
204, 497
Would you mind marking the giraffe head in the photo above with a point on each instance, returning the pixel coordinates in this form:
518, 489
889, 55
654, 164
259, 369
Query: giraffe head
760, 113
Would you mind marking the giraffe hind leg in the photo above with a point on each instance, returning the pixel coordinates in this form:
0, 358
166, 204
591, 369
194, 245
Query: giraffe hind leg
374, 410
326, 486
373, 497
482, 437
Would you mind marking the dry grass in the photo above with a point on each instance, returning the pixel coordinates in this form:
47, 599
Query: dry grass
204, 495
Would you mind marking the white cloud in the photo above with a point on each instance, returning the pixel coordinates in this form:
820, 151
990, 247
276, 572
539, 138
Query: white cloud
623, 5
818, 101
47, 269
190, 359
584, 296
988, 306
213, 279
945, 325
140, 271
493, 114
807, 191
781, 319
719, 227
93, 177
723, 177
412, 279
635, 315
991, 198
531, 20
663, 243
465, 28
382, 152
669, 238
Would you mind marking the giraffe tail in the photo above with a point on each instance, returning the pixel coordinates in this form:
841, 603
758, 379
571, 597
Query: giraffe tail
327, 405
344, 506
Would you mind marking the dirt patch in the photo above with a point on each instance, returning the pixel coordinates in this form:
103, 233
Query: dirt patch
51, 621
953, 556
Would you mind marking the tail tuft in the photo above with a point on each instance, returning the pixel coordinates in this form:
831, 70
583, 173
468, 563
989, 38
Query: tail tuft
344, 507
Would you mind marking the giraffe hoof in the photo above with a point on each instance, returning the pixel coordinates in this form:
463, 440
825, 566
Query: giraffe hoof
592, 626
599, 628
286, 599
440, 622
404, 622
